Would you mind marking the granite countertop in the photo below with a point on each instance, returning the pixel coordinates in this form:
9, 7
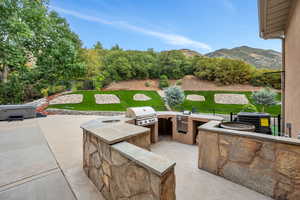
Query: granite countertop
101, 121
147, 159
113, 129
194, 115
213, 126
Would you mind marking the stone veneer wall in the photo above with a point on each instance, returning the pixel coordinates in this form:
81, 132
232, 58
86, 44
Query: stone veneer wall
120, 178
269, 167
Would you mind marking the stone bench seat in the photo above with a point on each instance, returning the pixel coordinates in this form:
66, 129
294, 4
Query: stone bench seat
154, 162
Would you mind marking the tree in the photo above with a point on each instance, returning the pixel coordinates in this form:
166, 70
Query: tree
223, 71
264, 97
37, 48
174, 96
173, 63
98, 46
266, 78
59, 59
23, 23
93, 59
116, 47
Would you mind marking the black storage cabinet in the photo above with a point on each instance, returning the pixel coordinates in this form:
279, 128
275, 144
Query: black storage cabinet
261, 121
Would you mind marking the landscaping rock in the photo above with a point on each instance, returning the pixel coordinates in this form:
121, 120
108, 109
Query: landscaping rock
195, 97
231, 99
37, 103
141, 97
67, 99
161, 93
106, 99
79, 112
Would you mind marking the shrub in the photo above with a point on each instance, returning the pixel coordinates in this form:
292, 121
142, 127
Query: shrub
163, 81
147, 84
79, 85
266, 78
13, 91
45, 92
264, 97
88, 85
98, 84
249, 108
174, 96
56, 89
101, 80
59, 88
31, 92
179, 82
223, 71
74, 88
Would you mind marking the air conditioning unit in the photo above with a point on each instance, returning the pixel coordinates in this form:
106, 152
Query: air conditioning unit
261, 121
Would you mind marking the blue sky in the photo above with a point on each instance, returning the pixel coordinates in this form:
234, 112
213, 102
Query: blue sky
201, 25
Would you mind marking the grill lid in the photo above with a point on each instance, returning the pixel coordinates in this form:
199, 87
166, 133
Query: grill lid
140, 112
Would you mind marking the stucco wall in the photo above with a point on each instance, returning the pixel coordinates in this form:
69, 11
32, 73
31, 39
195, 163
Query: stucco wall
292, 46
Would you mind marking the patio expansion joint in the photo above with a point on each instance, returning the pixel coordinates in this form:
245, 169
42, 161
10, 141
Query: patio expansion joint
58, 165
27, 179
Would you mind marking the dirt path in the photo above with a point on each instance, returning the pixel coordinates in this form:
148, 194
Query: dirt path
188, 83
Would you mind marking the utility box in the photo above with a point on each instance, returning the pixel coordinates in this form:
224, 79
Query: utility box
261, 121
12, 112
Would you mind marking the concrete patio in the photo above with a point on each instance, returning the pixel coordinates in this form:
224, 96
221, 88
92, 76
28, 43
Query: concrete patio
42, 159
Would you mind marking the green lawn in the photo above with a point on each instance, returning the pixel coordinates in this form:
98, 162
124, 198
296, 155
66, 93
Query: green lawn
126, 98
209, 106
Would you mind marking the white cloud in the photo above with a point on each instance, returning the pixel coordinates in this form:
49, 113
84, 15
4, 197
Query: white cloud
229, 5
172, 39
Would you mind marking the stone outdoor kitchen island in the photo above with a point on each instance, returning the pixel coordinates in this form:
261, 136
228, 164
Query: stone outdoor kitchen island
265, 163
117, 160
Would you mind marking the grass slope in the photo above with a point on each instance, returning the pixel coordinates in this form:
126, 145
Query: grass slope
209, 105
126, 98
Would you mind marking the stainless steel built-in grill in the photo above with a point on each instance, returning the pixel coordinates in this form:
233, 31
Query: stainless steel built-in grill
182, 123
143, 115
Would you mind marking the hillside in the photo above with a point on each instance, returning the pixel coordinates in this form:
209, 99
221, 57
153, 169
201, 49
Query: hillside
189, 53
258, 57
186, 52
188, 83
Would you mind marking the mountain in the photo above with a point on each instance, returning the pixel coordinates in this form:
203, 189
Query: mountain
188, 52
260, 58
